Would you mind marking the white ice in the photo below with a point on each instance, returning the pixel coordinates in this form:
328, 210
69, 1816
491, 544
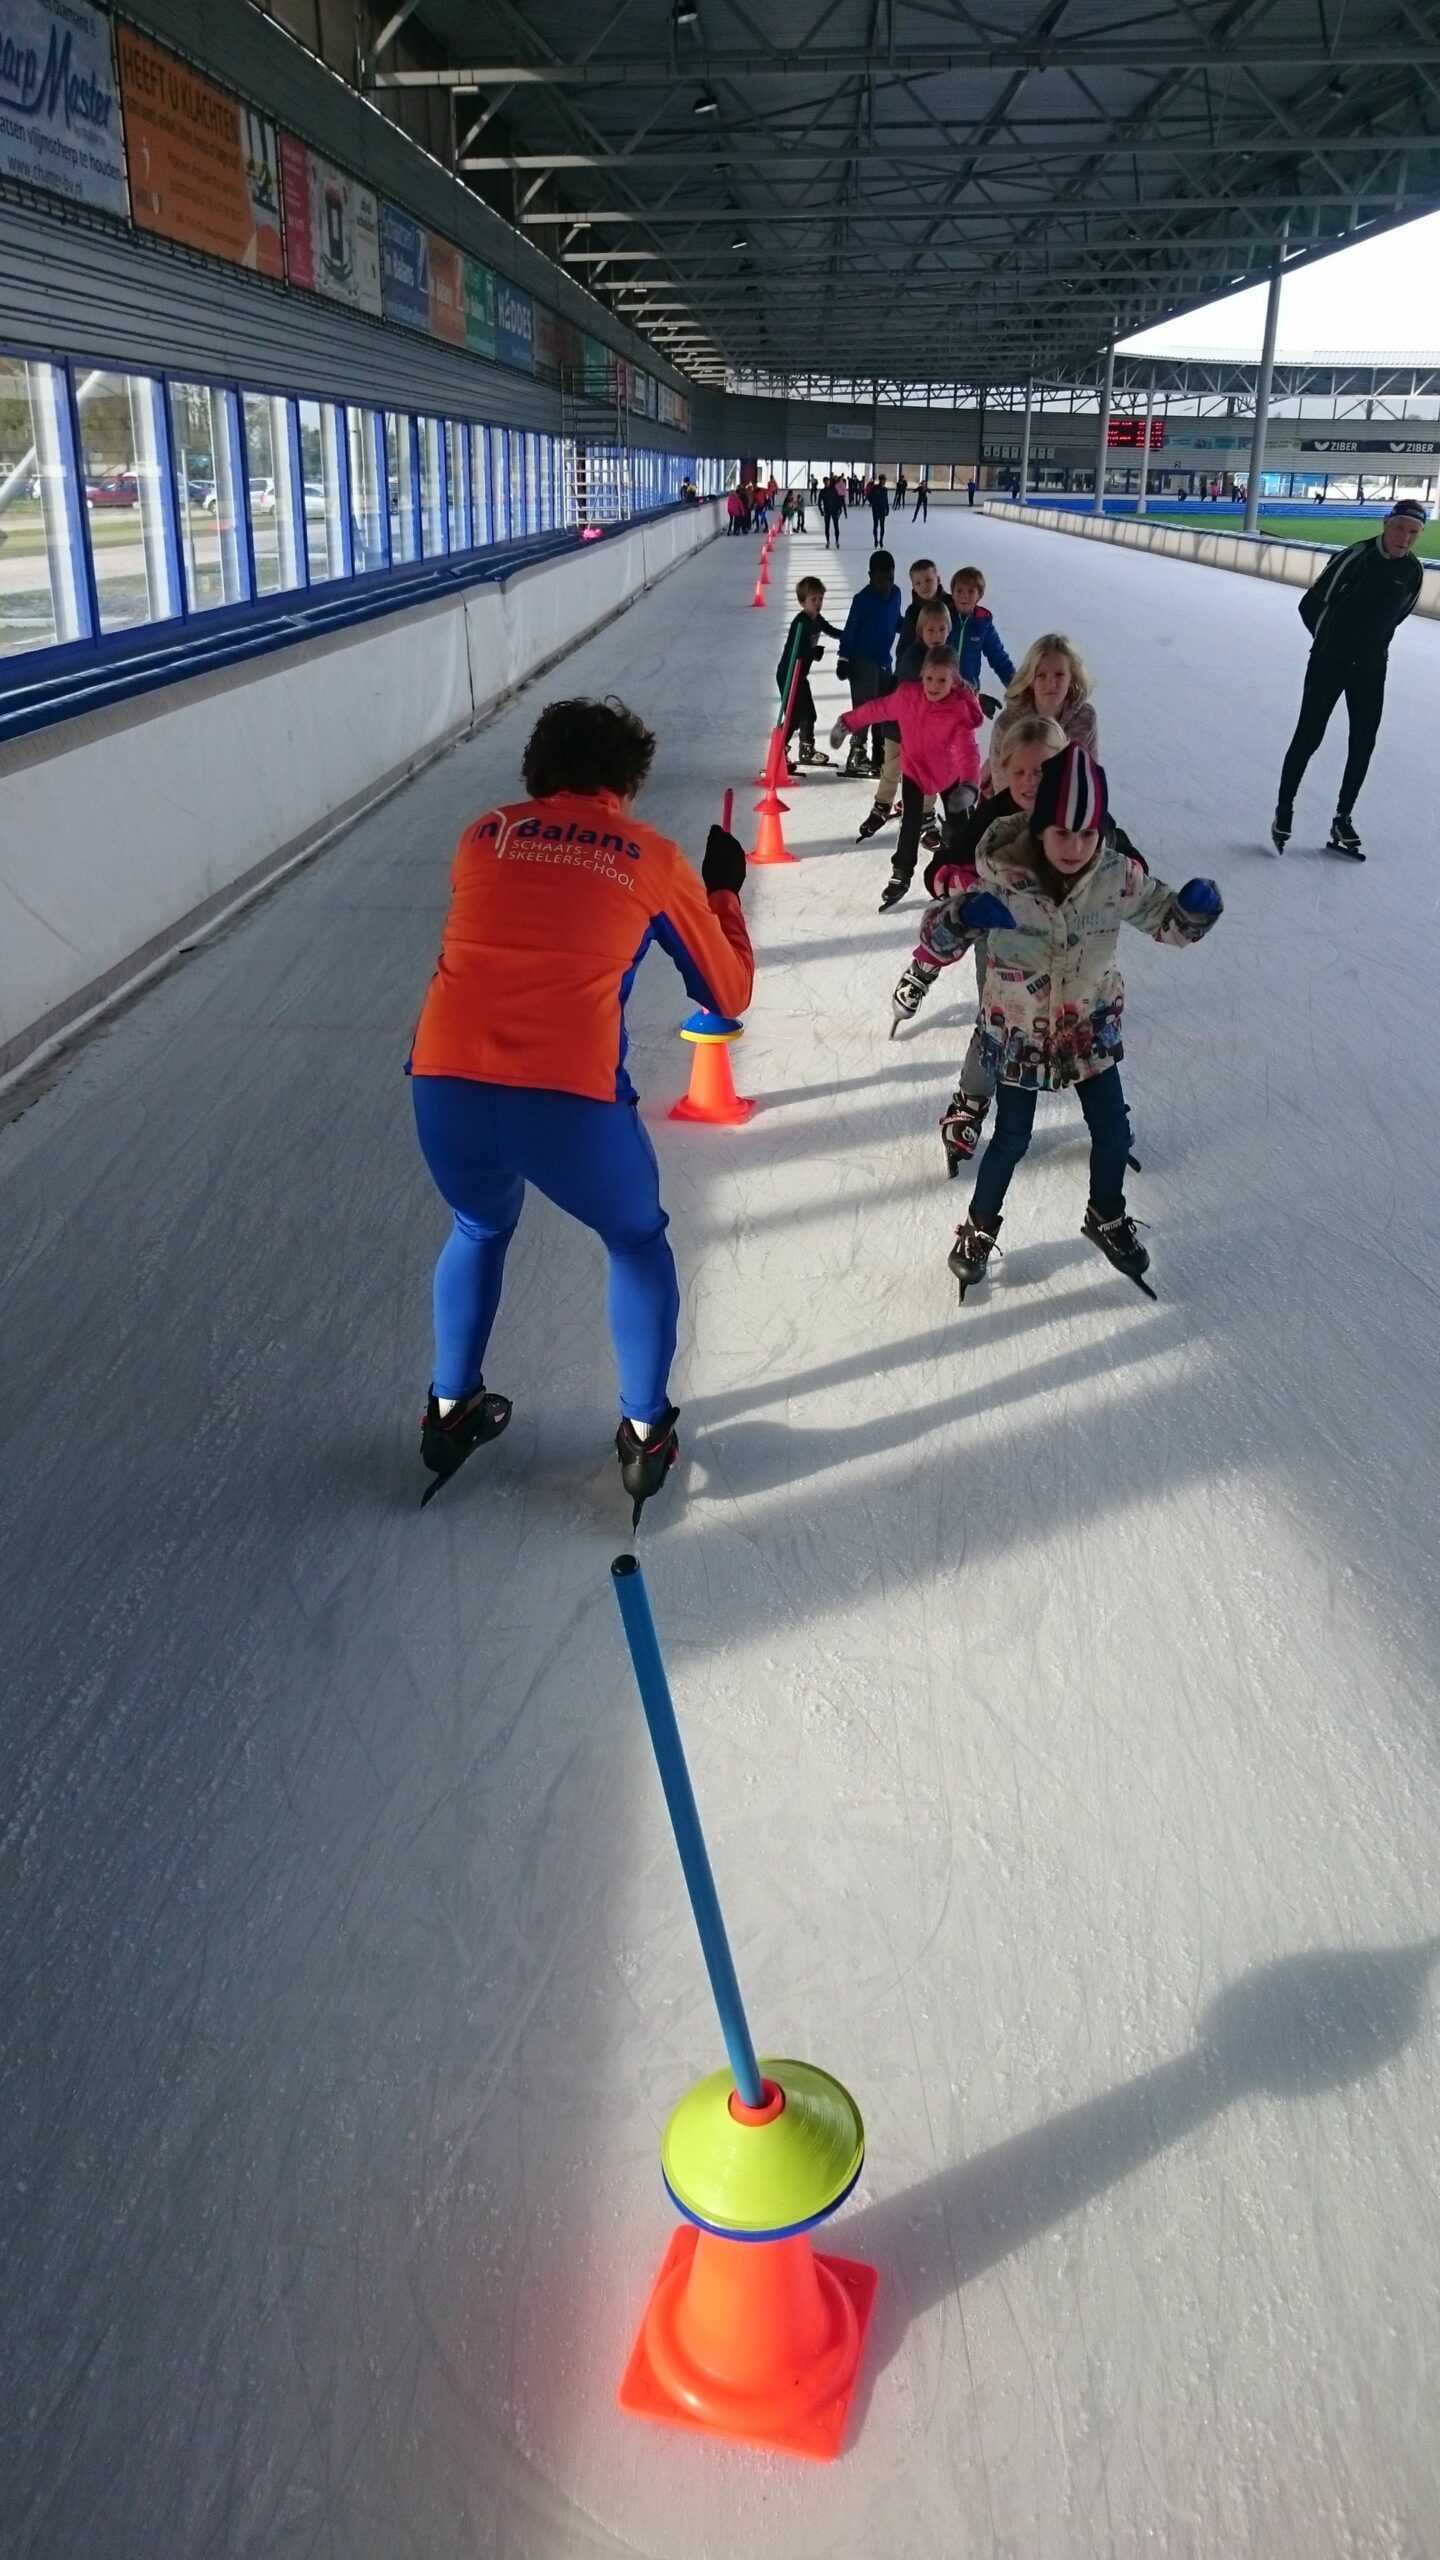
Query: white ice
1060, 1680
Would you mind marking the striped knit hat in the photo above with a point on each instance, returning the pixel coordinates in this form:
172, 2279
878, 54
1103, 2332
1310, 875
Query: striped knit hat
1409, 510
1072, 793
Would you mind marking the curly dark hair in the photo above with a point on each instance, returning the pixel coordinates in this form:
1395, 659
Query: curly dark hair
587, 746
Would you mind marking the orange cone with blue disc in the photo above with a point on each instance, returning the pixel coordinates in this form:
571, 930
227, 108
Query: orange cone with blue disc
712, 1095
748, 2334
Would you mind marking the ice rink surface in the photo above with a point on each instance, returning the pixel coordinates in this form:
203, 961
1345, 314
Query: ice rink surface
1060, 1680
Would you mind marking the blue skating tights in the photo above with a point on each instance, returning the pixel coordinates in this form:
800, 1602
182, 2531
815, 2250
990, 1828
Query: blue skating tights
483, 1143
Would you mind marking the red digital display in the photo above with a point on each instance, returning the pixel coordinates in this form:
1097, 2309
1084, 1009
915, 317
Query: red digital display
1125, 434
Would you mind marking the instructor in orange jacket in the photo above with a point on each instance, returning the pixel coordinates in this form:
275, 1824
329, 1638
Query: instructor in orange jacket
518, 1062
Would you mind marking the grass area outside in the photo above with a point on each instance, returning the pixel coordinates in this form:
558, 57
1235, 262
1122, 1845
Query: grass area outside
1317, 526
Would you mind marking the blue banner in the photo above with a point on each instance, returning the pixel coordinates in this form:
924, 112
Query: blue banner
404, 269
514, 325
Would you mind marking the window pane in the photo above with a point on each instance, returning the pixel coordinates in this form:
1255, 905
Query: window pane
130, 543
532, 484
457, 487
204, 456
269, 468
480, 484
367, 495
518, 523
42, 585
432, 488
322, 489
400, 474
499, 485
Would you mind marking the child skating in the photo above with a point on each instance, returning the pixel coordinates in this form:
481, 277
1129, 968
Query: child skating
1051, 679
937, 719
866, 644
1052, 898
803, 646
1026, 751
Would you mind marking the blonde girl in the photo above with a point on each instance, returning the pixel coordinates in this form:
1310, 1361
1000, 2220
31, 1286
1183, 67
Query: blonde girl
1051, 679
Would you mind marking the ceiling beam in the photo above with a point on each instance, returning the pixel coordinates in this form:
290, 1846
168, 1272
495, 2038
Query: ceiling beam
1134, 52
1267, 146
1006, 209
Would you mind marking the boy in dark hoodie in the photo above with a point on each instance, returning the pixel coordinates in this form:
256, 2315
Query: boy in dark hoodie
866, 644
803, 648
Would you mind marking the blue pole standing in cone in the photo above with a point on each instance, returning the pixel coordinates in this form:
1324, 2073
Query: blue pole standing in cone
659, 1709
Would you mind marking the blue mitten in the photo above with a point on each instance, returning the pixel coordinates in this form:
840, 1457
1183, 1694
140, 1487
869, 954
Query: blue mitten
980, 912
1200, 898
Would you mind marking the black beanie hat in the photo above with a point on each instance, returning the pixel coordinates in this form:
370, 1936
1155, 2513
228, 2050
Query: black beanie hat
1410, 510
1072, 794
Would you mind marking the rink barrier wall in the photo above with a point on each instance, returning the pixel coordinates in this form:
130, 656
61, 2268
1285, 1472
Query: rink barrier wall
131, 830
1254, 555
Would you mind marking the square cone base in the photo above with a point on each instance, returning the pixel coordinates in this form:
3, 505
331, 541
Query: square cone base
819, 2435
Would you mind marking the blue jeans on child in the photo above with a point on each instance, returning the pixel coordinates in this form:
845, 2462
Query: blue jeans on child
483, 1143
1102, 1100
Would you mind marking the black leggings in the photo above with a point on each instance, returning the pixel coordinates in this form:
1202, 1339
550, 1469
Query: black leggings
1363, 684
954, 800
878, 519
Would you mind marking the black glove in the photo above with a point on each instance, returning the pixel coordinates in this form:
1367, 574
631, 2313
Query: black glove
724, 863
989, 704
842, 669
814, 656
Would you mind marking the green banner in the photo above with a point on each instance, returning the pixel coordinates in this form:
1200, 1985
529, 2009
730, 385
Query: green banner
479, 309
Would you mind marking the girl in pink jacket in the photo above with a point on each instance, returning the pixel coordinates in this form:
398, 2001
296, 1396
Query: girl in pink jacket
937, 719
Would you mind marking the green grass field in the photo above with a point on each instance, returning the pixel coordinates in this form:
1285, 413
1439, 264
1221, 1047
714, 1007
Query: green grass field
1315, 527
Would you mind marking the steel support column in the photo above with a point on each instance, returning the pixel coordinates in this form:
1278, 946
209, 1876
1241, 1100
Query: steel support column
1262, 385
1025, 438
1102, 442
1140, 502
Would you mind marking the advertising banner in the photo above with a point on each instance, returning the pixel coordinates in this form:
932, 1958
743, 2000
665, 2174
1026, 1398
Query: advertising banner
479, 288
1380, 446
514, 325
447, 291
204, 169
595, 359
557, 342
404, 269
59, 105
332, 229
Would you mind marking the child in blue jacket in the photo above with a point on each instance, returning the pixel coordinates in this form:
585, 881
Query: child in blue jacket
976, 637
866, 644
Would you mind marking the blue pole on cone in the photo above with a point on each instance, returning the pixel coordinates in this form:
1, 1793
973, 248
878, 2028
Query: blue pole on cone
655, 1698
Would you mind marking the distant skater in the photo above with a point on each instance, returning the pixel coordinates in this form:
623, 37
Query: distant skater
1352, 613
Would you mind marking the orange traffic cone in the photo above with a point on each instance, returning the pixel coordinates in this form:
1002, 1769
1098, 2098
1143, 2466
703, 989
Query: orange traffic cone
764, 568
712, 1096
758, 2340
759, 595
770, 837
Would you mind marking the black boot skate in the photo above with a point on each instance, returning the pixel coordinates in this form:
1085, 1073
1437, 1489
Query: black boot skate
894, 889
1119, 1243
931, 838
872, 822
647, 1451
1343, 838
960, 1125
1280, 826
970, 1253
808, 753
911, 990
446, 1441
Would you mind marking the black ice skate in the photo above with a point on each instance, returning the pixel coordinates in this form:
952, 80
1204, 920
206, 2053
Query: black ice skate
931, 838
1343, 838
911, 990
647, 1452
447, 1441
894, 889
872, 822
808, 753
1280, 826
1120, 1244
970, 1253
960, 1125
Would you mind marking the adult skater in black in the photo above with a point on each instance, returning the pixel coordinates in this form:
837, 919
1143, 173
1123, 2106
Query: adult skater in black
832, 508
879, 497
1352, 613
